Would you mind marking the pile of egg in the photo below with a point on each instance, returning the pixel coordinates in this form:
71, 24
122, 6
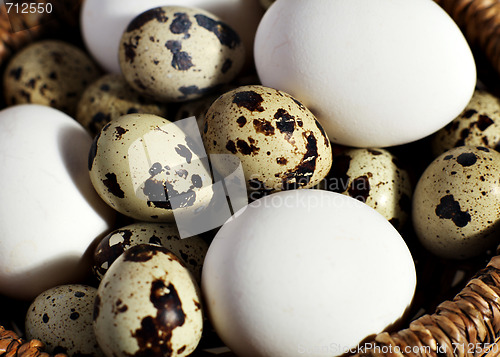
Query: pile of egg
305, 112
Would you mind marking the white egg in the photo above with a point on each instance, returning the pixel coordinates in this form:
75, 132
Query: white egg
295, 272
49, 212
103, 22
369, 70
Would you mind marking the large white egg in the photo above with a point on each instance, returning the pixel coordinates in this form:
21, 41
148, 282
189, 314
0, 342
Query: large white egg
305, 272
49, 211
375, 73
103, 22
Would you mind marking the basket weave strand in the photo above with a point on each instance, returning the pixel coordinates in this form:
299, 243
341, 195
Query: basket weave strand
480, 23
13, 346
468, 325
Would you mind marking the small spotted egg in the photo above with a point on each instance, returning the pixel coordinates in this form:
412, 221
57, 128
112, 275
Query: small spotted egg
179, 53
109, 98
49, 72
146, 167
373, 176
278, 140
477, 125
190, 250
61, 318
456, 203
148, 304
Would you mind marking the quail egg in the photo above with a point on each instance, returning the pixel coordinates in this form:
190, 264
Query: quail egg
148, 304
49, 72
179, 53
109, 98
61, 318
146, 167
191, 251
278, 141
456, 203
375, 177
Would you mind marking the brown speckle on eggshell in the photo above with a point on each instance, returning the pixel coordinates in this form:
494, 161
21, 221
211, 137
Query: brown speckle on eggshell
176, 53
109, 98
49, 72
456, 203
279, 142
148, 304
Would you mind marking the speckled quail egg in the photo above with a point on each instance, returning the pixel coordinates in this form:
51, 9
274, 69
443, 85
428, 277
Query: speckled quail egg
146, 168
179, 53
373, 176
49, 72
191, 251
61, 318
109, 98
478, 124
456, 203
278, 140
148, 304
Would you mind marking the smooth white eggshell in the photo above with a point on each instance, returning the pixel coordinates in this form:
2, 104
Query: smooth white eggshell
103, 22
49, 211
295, 271
375, 73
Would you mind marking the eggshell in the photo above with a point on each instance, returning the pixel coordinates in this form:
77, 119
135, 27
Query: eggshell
375, 177
109, 98
373, 74
278, 141
146, 167
456, 204
175, 53
102, 23
148, 304
50, 213
49, 72
191, 251
296, 271
477, 125
61, 318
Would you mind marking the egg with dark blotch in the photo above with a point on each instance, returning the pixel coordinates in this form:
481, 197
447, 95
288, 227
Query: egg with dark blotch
456, 203
109, 98
174, 53
278, 141
146, 167
148, 304
50, 72
478, 124
61, 318
190, 250
375, 177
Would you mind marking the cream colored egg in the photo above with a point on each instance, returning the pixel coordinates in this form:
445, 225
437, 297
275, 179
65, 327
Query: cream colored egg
109, 98
178, 53
191, 251
278, 141
148, 304
50, 72
375, 177
61, 318
146, 168
456, 204
478, 124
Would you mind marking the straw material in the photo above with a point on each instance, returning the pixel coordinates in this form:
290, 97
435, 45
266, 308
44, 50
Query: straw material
13, 346
468, 325
480, 23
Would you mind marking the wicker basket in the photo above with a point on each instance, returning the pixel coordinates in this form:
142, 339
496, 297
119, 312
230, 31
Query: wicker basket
467, 323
